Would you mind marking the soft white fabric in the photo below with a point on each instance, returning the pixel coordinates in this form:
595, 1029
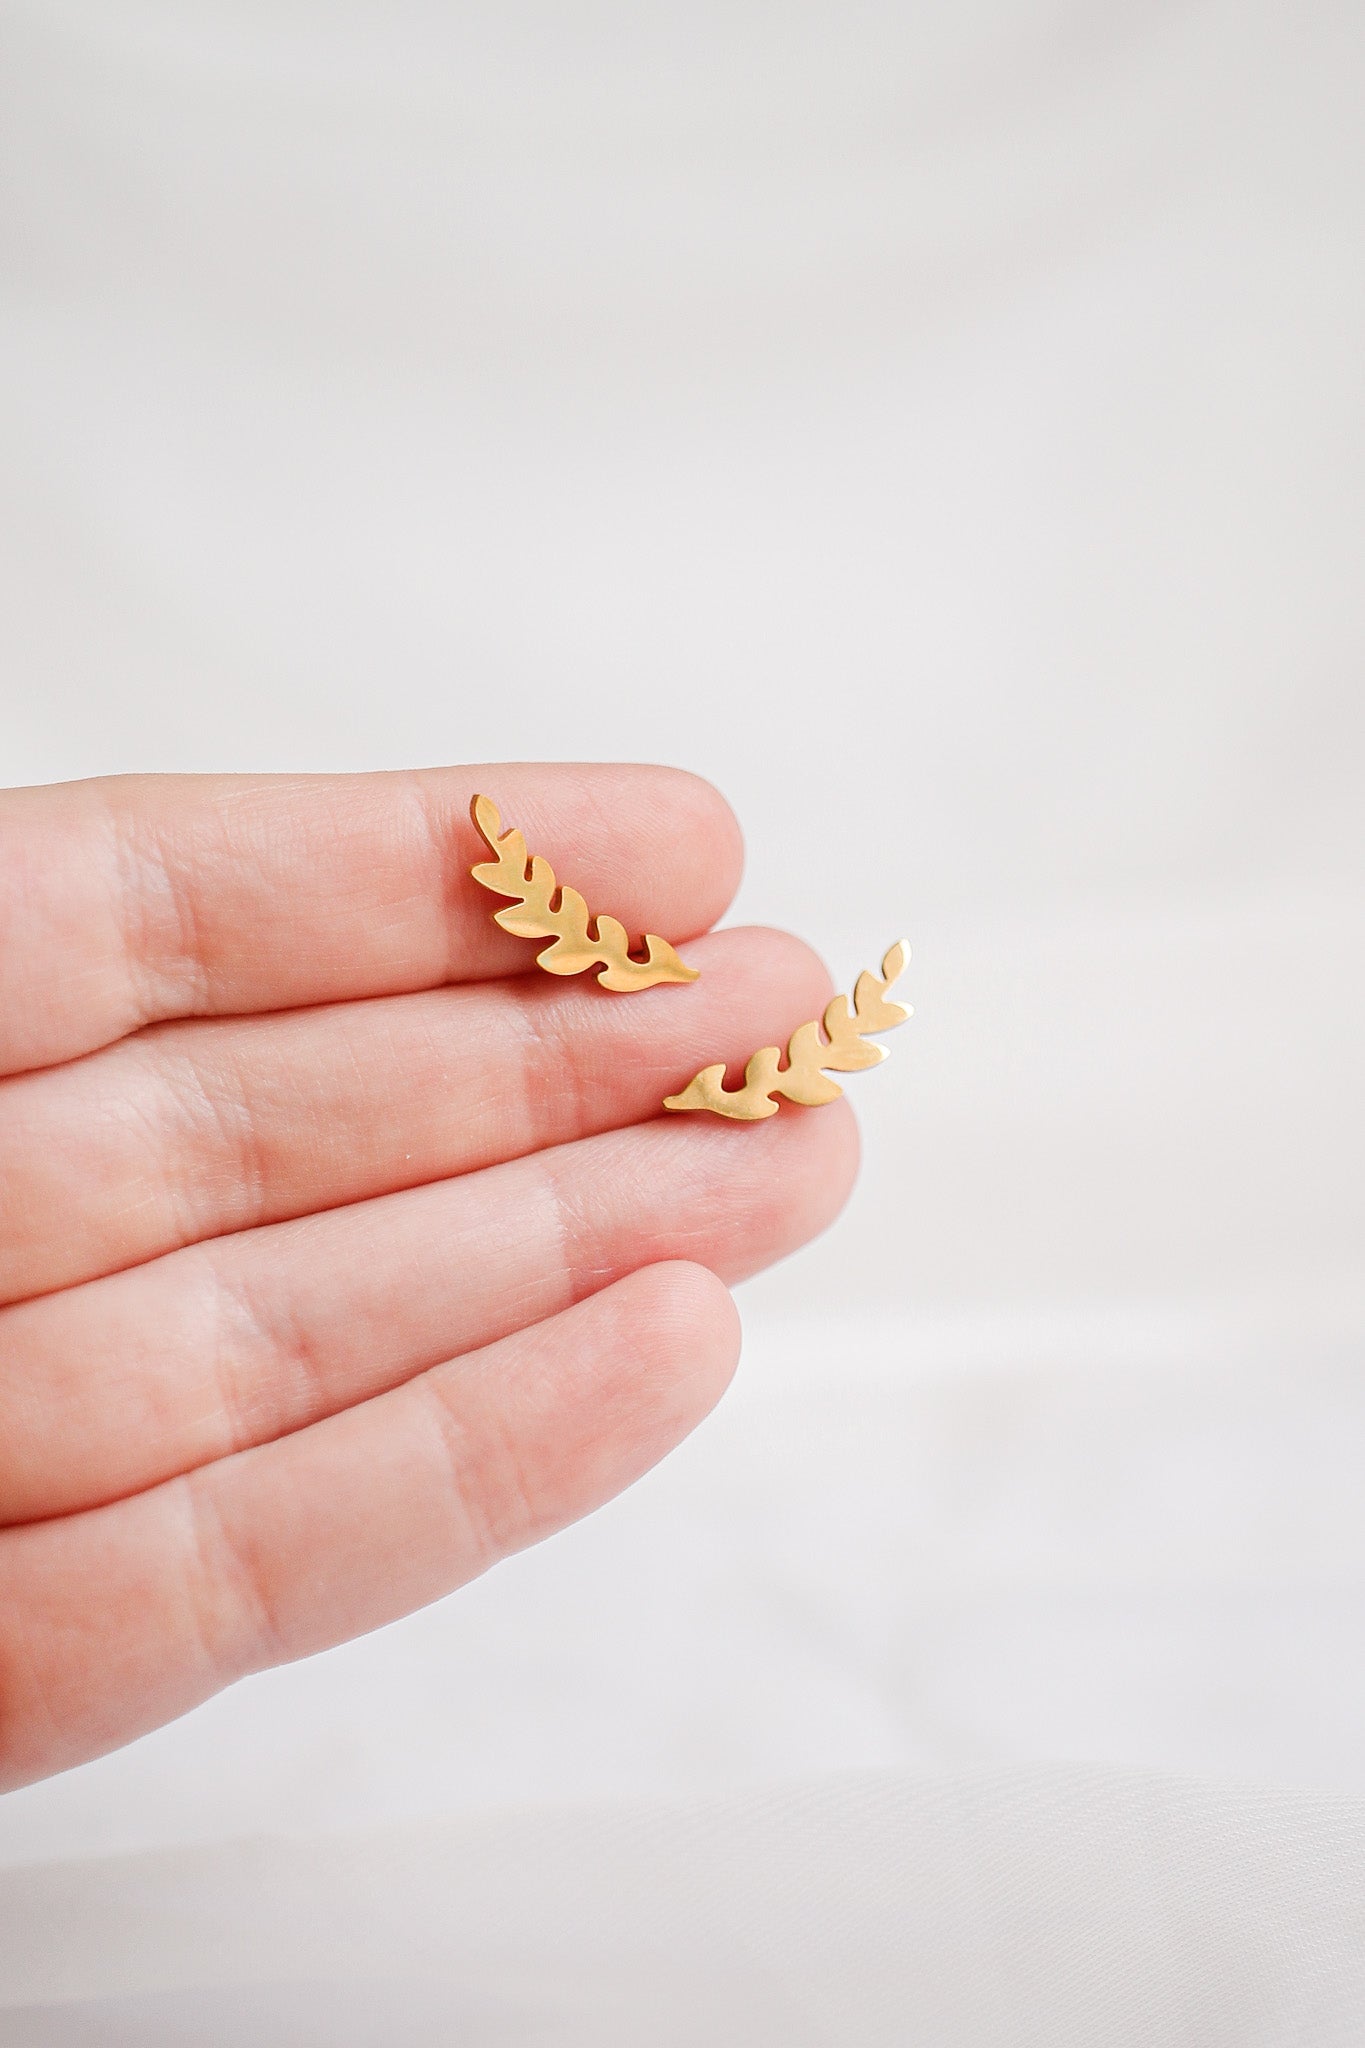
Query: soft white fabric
1062, 1906
944, 427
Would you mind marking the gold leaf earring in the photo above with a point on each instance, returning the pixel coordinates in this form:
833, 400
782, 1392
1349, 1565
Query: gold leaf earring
545, 909
803, 1079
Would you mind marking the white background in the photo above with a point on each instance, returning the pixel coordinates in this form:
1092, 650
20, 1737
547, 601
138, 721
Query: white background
944, 428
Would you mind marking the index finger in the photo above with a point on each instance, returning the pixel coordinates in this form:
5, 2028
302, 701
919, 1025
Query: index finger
127, 900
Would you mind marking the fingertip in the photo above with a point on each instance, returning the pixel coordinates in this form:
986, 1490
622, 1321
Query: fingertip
718, 820
694, 1330
703, 1313
819, 1155
843, 1140
769, 1188
690, 1309
777, 961
693, 807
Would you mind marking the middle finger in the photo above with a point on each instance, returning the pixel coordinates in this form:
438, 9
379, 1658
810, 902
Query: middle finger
190, 1130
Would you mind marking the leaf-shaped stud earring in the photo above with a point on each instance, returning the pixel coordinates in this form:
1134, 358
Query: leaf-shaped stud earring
803, 1079
545, 909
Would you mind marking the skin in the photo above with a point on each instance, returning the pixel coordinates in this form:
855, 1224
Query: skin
342, 1251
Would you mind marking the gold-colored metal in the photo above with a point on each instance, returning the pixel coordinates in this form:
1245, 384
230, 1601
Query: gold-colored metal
545, 910
808, 1055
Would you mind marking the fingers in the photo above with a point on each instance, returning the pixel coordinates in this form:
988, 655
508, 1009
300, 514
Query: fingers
190, 1130
287, 1549
138, 898
116, 1385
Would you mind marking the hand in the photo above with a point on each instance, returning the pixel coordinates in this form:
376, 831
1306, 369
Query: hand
343, 1251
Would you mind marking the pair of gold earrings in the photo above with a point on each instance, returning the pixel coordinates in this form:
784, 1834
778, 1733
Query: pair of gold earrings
543, 908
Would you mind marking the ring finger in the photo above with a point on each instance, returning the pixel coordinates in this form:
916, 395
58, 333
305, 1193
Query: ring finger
190, 1130
112, 1386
